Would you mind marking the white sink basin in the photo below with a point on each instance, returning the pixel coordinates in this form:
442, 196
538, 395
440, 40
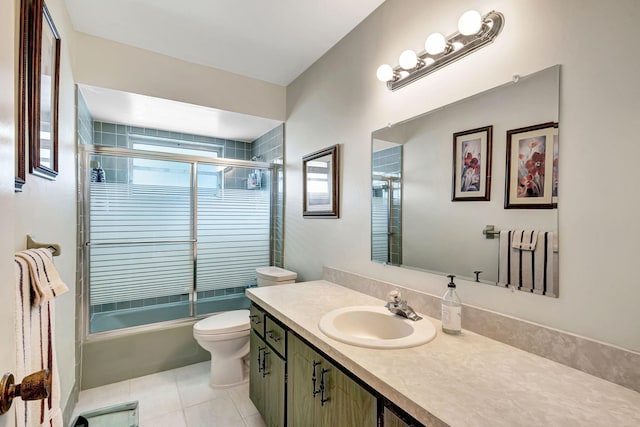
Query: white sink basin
375, 327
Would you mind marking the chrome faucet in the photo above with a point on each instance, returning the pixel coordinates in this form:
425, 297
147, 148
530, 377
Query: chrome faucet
398, 306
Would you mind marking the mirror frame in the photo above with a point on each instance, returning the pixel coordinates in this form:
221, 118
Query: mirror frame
42, 17
21, 102
332, 209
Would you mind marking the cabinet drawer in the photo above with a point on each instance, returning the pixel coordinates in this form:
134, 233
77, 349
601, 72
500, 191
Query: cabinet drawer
274, 335
256, 318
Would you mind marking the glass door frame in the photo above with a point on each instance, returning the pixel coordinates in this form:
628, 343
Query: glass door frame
84, 242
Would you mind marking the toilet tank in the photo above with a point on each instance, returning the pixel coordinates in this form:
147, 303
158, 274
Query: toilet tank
268, 276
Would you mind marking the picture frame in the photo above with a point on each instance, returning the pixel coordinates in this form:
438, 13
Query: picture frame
529, 170
44, 94
320, 183
22, 133
472, 165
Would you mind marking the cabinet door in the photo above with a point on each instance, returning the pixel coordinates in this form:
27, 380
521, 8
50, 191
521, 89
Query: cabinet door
319, 394
273, 378
392, 420
266, 381
345, 402
301, 361
256, 383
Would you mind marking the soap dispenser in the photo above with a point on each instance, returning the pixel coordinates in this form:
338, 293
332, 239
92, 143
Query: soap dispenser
451, 310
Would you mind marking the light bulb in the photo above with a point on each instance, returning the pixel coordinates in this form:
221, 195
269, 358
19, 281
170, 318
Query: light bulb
457, 45
385, 73
408, 59
429, 61
470, 23
435, 44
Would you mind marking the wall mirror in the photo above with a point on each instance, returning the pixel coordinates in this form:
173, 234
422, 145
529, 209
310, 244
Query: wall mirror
45, 75
421, 220
320, 183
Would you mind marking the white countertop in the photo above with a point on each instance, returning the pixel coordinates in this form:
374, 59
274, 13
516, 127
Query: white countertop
464, 380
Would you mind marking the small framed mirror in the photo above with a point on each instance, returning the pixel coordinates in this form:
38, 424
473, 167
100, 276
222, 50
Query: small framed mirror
320, 184
45, 76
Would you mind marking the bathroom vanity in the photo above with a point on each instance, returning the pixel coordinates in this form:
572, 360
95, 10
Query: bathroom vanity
465, 380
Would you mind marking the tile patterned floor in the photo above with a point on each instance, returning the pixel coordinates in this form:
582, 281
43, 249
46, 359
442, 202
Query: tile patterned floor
177, 398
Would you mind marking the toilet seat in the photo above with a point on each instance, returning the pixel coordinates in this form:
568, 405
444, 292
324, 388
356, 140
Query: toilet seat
223, 323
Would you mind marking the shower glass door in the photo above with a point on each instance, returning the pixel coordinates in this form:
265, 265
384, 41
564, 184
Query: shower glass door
171, 236
141, 241
233, 230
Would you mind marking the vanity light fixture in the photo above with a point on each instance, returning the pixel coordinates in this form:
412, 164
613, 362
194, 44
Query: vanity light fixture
474, 32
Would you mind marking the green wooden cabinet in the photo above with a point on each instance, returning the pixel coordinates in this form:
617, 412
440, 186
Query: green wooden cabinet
267, 381
392, 419
320, 394
286, 372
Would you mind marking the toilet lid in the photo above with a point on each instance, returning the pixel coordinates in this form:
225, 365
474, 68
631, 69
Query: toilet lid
229, 321
275, 273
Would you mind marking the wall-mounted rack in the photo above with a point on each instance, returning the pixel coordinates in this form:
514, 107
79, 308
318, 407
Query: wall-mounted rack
53, 247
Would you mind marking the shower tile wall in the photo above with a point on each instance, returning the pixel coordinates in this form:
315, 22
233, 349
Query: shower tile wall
389, 162
117, 135
270, 148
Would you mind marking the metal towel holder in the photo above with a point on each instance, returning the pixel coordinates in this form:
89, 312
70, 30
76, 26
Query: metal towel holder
490, 232
53, 247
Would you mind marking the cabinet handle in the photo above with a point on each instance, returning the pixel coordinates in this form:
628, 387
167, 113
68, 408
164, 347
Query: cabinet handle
313, 379
255, 319
323, 400
274, 338
264, 362
261, 361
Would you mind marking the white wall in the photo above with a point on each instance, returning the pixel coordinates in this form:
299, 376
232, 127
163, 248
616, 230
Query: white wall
7, 213
339, 100
45, 209
103, 63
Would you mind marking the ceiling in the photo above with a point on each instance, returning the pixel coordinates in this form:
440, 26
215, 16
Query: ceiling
114, 106
273, 41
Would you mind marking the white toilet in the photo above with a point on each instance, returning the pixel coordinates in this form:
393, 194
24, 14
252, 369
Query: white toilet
226, 335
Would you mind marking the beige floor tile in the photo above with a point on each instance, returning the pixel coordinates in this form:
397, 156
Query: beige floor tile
214, 413
172, 419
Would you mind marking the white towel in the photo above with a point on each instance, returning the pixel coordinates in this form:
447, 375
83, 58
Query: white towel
504, 258
551, 267
45, 279
529, 270
546, 264
23, 337
524, 239
35, 342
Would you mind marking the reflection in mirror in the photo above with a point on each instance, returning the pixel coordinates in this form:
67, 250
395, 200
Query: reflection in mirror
43, 134
386, 219
415, 223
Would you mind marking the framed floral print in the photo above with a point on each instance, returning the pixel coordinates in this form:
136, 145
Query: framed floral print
530, 170
472, 165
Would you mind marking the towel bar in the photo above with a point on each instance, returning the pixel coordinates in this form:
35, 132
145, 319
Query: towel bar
490, 232
53, 247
